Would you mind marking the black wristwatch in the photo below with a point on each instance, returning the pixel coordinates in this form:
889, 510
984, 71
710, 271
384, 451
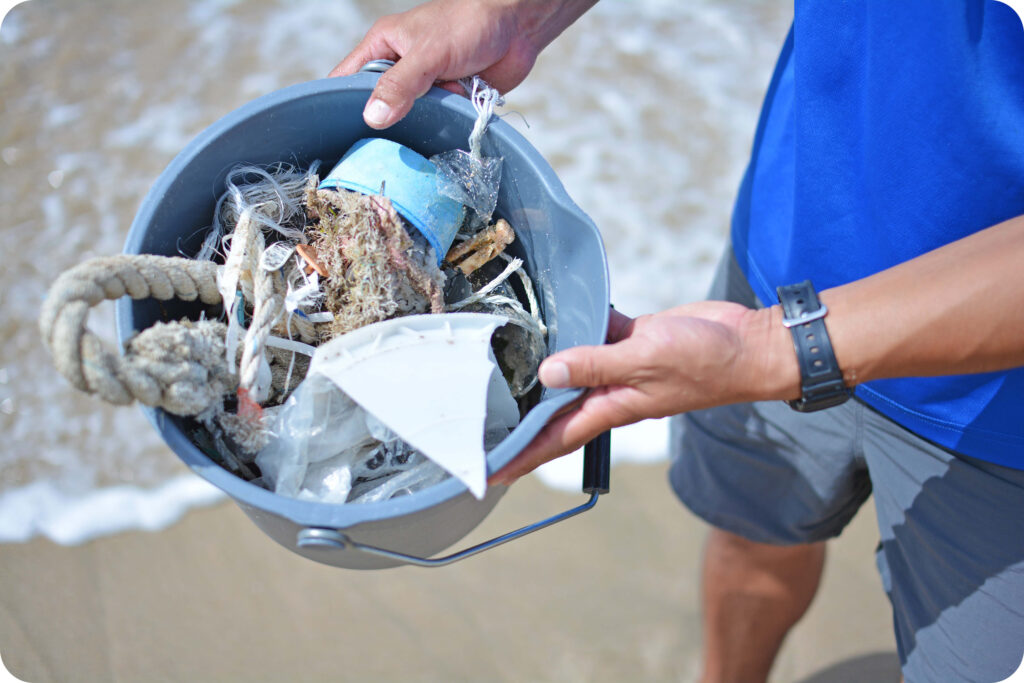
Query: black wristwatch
821, 380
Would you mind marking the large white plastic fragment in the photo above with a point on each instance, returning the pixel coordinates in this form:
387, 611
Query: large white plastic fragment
431, 379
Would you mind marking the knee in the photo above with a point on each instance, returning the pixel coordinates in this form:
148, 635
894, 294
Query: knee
728, 554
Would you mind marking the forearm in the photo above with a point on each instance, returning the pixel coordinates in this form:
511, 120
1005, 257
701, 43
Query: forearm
545, 20
955, 310
958, 309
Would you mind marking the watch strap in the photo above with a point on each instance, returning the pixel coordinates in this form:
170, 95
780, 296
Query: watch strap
821, 380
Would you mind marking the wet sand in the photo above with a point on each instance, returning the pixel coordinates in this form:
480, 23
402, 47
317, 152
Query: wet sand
611, 595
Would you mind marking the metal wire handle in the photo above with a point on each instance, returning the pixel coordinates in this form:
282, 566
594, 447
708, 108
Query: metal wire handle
596, 472
377, 65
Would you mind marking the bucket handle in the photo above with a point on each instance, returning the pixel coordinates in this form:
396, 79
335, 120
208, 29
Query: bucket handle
596, 475
377, 66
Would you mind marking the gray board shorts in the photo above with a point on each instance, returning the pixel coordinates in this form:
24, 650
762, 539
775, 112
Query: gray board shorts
951, 554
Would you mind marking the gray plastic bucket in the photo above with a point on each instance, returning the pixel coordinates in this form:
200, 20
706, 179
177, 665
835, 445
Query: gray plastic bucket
321, 120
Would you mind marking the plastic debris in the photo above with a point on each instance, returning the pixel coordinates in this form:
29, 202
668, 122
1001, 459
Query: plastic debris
522, 345
432, 380
380, 400
469, 180
318, 427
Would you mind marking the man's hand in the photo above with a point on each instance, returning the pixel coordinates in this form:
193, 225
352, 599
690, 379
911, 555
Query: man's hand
446, 40
689, 357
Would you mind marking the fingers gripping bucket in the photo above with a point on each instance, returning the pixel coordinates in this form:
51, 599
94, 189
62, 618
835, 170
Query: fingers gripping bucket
322, 120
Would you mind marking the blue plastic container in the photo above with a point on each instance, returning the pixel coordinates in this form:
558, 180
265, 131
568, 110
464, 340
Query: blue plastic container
409, 180
322, 120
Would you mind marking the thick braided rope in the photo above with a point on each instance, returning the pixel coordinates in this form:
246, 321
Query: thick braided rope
172, 365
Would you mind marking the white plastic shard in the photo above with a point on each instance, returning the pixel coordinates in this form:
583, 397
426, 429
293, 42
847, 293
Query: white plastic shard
432, 380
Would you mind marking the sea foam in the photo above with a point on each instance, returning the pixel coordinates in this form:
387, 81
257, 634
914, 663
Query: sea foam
42, 508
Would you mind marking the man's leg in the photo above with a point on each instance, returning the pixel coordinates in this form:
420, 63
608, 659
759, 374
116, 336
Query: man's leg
774, 484
753, 593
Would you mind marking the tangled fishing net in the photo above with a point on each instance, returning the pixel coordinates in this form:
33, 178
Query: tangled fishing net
375, 270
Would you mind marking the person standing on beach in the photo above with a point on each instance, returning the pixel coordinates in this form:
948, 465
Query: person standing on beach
877, 251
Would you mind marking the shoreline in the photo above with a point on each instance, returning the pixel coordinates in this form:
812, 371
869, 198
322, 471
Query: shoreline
607, 596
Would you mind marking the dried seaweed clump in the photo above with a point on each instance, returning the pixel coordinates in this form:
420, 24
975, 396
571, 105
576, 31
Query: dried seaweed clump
375, 270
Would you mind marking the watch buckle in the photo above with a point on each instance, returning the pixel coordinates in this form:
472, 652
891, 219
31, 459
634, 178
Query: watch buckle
805, 317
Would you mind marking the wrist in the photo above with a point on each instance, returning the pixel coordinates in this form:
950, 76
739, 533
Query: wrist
770, 357
839, 329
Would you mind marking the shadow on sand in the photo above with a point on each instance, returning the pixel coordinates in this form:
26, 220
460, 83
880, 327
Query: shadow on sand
877, 666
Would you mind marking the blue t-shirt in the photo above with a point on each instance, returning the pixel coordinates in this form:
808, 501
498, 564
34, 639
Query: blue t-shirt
891, 129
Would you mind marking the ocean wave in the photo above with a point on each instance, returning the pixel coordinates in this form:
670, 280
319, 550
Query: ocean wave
43, 508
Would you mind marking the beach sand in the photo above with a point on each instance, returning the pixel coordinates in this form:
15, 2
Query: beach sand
611, 595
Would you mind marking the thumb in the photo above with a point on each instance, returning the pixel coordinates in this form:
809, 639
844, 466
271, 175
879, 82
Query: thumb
589, 366
397, 89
